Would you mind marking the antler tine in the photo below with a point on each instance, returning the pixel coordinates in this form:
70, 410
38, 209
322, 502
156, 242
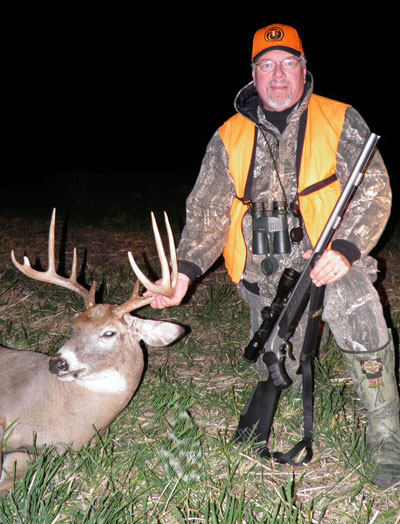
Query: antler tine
51, 276
168, 279
172, 253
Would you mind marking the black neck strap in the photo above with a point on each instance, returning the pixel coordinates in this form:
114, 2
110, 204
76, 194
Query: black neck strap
300, 143
246, 198
300, 140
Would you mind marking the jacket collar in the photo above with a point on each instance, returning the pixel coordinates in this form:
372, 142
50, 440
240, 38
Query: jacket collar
247, 101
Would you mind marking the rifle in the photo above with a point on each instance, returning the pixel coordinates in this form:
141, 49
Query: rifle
270, 314
257, 416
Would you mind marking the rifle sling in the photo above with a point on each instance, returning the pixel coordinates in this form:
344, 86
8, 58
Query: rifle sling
309, 349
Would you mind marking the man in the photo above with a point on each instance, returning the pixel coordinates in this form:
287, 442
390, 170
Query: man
290, 146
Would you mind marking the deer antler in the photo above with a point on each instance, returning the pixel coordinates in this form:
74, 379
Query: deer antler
168, 279
51, 276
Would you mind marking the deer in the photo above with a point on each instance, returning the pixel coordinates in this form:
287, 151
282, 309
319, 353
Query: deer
72, 397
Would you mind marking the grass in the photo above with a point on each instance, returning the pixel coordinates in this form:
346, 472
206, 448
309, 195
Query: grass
168, 458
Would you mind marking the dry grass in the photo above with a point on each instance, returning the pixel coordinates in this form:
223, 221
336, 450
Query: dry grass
333, 488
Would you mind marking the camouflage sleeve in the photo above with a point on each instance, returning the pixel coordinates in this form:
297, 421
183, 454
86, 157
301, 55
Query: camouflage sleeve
208, 210
369, 210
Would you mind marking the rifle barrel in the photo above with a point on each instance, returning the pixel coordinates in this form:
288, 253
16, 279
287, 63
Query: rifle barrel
291, 313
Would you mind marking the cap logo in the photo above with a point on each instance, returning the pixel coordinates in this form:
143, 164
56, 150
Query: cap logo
274, 34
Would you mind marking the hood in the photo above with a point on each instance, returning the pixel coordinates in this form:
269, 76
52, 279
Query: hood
247, 99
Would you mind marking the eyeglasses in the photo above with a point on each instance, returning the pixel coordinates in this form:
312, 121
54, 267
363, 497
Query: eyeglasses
267, 66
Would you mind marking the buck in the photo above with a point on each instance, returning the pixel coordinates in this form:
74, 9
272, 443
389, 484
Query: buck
68, 397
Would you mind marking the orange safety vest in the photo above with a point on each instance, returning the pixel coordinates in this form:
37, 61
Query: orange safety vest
318, 162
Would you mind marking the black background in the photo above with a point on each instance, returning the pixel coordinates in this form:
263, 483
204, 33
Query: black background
115, 94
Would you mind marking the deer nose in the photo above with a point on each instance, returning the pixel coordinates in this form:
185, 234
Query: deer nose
58, 364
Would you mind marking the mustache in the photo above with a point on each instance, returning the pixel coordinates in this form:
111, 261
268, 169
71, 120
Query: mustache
278, 84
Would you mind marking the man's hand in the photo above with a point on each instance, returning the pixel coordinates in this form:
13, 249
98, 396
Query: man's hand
330, 267
160, 302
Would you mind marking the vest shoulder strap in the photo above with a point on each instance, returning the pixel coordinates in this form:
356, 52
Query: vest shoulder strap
239, 135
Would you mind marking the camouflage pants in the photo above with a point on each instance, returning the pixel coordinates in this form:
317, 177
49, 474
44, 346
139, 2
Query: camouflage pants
352, 310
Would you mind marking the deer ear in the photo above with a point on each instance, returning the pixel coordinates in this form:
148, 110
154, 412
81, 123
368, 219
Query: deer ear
157, 333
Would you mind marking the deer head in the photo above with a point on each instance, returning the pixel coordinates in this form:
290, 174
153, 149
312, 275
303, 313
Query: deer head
97, 351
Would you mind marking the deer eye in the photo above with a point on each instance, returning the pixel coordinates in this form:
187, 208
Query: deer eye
109, 333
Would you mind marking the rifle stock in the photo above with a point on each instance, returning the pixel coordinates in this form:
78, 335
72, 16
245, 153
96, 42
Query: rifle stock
277, 342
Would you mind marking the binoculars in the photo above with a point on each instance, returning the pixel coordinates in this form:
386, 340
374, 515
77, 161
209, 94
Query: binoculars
270, 233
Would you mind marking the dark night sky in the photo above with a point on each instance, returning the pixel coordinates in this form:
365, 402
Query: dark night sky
105, 90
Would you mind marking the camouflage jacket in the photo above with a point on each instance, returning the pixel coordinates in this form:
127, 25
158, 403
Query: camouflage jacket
275, 178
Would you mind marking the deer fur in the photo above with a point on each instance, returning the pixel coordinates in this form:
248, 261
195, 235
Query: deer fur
68, 397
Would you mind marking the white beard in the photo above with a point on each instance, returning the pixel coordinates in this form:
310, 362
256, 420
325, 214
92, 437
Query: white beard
281, 103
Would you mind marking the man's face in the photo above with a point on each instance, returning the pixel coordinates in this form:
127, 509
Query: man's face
279, 88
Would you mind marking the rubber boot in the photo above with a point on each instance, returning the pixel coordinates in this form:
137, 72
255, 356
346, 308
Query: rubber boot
374, 378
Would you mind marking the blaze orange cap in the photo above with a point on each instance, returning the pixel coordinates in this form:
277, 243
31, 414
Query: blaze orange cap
276, 36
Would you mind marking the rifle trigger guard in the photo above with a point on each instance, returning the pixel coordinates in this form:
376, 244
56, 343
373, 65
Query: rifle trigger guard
287, 349
290, 351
